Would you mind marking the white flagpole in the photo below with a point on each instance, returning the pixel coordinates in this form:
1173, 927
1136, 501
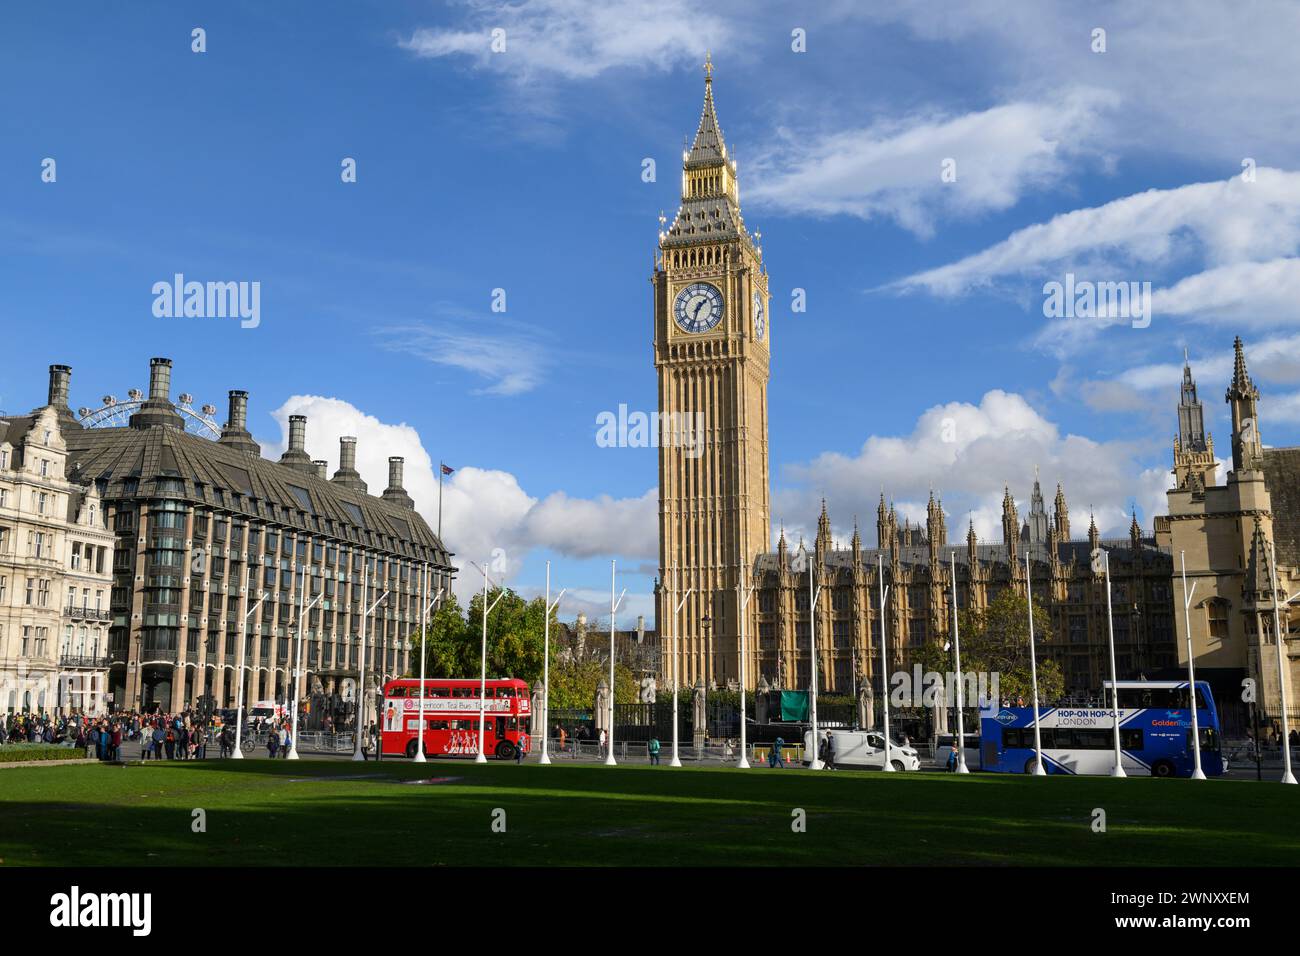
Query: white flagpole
297, 673
1197, 772
1114, 683
425, 608
677, 676
546, 664
814, 761
961, 690
884, 657
745, 595
359, 721
1039, 769
1287, 776
613, 609
239, 688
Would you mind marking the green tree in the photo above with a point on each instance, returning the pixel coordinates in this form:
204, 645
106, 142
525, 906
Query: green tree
573, 683
454, 638
995, 640
445, 643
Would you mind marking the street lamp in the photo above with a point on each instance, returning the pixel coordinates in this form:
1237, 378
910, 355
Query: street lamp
745, 594
297, 671
482, 688
1287, 776
613, 609
239, 677
546, 663
677, 675
424, 615
360, 720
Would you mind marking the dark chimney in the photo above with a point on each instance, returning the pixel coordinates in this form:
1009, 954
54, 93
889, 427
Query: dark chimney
58, 397
160, 379
347, 475
296, 456
238, 417
235, 433
158, 409
395, 492
59, 375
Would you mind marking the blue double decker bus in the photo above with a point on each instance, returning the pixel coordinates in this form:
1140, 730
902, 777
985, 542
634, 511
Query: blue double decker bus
1155, 733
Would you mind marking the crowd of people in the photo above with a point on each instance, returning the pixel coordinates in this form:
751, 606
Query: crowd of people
183, 736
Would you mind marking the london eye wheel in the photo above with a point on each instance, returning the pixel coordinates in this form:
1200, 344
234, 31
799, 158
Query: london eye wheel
116, 413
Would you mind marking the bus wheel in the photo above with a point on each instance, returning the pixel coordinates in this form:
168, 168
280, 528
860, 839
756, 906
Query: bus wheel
1030, 764
505, 750
1162, 768
410, 749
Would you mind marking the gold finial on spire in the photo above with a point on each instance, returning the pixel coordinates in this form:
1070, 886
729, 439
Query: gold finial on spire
708, 67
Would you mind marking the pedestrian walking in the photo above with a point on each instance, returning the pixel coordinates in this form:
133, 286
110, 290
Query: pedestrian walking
774, 757
654, 751
603, 740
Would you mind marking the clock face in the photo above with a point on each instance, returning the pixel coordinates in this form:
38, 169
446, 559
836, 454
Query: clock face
698, 307
760, 320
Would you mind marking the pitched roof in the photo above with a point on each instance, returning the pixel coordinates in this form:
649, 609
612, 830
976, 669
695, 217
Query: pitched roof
131, 462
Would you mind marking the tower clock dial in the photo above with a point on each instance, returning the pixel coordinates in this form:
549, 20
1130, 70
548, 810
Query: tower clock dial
760, 320
698, 307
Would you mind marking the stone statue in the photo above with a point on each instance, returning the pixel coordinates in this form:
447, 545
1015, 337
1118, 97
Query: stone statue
700, 714
647, 693
866, 705
602, 705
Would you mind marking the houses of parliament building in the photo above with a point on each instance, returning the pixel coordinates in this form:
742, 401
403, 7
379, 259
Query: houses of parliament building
713, 341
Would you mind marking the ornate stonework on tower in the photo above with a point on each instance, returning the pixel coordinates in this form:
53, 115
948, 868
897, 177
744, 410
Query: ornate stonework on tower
1194, 464
712, 335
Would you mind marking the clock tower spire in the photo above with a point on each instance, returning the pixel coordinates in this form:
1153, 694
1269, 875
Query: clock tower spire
712, 341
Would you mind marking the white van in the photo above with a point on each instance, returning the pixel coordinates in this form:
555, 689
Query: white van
265, 710
864, 748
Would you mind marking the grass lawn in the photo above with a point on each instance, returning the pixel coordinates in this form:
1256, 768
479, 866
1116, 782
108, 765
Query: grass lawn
328, 812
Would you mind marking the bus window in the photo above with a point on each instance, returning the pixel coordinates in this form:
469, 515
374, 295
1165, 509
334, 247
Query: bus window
436, 724
1209, 740
397, 692
501, 727
1129, 739
505, 692
439, 691
462, 692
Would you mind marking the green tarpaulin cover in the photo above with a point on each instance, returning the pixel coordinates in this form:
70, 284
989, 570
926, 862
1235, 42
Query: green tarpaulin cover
794, 705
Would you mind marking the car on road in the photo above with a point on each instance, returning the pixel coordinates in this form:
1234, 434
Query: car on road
864, 748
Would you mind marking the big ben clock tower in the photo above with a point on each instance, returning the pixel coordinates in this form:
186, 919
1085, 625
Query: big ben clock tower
712, 341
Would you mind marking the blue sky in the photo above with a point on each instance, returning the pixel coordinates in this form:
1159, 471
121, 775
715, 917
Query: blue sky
522, 170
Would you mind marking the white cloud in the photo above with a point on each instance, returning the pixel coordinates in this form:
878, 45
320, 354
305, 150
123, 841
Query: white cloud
1274, 360
997, 442
1227, 222
512, 360
892, 168
1203, 79
482, 509
576, 39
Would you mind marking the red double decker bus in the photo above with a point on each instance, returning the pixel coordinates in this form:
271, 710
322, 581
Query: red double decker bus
451, 714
